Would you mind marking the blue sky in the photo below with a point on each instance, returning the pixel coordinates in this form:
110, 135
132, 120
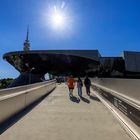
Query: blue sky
110, 26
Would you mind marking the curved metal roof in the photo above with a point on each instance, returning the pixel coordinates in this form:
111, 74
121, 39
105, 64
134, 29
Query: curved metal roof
54, 61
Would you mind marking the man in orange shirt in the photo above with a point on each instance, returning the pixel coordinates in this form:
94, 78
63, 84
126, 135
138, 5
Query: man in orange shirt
71, 84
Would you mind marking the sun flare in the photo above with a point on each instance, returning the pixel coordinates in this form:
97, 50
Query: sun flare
58, 20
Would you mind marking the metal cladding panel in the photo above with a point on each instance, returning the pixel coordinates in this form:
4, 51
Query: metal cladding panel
132, 61
92, 54
76, 62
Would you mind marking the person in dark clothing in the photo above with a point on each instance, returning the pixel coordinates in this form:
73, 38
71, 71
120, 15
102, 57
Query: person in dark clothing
79, 86
87, 84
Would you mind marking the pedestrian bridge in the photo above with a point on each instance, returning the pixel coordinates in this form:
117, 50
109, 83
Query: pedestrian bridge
111, 112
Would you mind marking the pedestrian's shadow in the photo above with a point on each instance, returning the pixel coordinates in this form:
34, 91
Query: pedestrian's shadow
94, 98
84, 99
74, 99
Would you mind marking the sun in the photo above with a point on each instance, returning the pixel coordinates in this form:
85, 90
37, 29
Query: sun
58, 19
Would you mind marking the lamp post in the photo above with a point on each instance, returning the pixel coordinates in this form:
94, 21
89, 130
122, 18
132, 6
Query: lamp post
30, 74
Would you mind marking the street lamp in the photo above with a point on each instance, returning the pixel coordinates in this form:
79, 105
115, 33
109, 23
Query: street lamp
30, 74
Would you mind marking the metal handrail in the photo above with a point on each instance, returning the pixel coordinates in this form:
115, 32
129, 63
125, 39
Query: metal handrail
135, 103
13, 100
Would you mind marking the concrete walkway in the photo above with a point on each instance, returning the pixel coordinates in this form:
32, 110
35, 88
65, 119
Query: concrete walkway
58, 118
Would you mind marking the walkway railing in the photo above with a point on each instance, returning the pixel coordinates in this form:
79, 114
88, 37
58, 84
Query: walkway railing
124, 95
127, 90
13, 100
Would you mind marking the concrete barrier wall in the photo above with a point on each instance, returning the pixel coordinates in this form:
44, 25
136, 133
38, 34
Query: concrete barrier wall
13, 100
126, 89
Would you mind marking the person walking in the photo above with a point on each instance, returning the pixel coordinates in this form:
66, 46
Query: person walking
87, 84
71, 84
79, 86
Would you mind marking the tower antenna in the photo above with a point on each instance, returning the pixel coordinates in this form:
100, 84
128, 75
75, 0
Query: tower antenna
27, 43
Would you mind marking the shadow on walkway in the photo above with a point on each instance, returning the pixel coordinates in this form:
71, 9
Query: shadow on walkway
84, 99
75, 99
94, 98
15, 118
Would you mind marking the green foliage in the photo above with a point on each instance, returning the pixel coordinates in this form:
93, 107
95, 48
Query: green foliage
5, 82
